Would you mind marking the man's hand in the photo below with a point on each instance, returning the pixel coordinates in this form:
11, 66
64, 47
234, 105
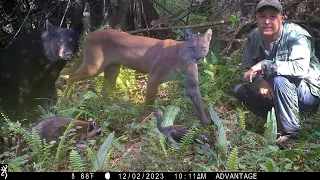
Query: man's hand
265, 90
254, 71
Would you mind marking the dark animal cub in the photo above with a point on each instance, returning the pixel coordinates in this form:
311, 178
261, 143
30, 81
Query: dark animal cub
30, 65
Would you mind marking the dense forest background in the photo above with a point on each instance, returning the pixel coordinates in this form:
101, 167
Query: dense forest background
242, 140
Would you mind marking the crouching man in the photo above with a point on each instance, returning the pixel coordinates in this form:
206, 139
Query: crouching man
280, 70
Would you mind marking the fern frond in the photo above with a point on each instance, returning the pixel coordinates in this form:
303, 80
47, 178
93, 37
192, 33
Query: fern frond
44, 114
89, 95
46, 152
12, 167
161, 141
187, 140
35, 143
215, 117
77, 163
233, 160
313, 156
63, 146
92, 156
222, 138
107, 159
242, 118
204, 168
269, 165
169, 115
17, 129
5, 117
102, 153
16, 163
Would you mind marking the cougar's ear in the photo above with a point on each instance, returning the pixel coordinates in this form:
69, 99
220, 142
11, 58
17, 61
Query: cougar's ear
188, 34
208, 34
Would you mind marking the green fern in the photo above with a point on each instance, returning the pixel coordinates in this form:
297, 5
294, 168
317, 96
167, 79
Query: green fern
92, 156
63, 146
114, 149
34, 142
187, 140
270, 133
242, 118
269, 165
77, 163
233, 160
107, 158
47, 151
126, 81
87, 104
102, 153
163, 147
12, 167
17, 129
222, 138
313, 156
44, 114
170, 114
32, 139
5, 117
15, 164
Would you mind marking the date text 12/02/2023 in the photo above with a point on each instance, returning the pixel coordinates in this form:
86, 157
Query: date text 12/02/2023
161, 175
186, 175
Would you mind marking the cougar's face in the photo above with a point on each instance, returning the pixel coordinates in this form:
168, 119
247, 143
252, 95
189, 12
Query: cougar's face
198, 45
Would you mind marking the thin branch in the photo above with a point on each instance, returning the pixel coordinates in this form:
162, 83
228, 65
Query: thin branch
10, 15
144, 15
189, 11
180, 27
171, 13
234, 35
223, 10
64, 14
229, 39
164, 8
229, 32
20, 27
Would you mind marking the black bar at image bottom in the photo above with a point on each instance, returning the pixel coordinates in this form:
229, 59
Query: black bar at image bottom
152, 175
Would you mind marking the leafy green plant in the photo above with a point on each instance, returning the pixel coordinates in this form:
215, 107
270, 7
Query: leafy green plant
233, 160
222, 139
271, 128
269, 166
170, 114
234, 20
242, 118
102, 153
97, 160
187, 140
77, 163
62, 148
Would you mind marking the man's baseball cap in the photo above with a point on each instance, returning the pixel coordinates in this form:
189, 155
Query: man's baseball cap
272, 3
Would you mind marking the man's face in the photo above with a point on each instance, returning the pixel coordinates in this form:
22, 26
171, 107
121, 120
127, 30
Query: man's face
269, 22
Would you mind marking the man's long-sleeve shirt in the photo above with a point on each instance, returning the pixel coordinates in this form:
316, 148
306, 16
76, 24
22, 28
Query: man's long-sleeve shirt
292, 55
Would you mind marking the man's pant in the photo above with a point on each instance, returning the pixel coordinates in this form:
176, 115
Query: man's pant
291, 96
